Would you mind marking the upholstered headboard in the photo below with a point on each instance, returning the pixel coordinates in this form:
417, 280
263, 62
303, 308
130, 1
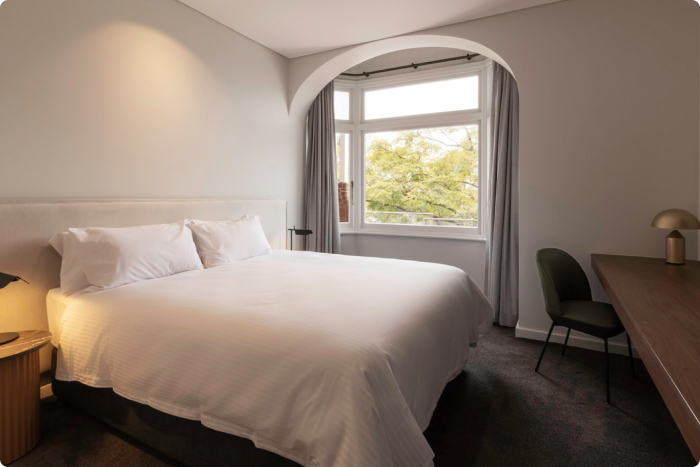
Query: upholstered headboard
27, 226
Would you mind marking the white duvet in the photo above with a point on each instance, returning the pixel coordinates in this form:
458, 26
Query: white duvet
328, 360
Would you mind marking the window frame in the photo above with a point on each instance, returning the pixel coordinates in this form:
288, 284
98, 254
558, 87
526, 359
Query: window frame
357, 127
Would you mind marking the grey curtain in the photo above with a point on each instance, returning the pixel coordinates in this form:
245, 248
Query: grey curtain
321, 184
502, 245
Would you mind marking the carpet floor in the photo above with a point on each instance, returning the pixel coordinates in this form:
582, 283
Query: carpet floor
498, 412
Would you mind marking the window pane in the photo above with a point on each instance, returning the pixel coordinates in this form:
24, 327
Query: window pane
341, 105
342, 142
423, 177
424, 98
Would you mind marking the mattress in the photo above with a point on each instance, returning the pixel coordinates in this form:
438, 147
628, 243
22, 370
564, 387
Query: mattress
328, 360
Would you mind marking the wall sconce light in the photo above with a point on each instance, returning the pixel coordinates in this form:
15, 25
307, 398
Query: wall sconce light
301, 232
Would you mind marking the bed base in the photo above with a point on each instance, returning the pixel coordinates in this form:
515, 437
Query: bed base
186, 441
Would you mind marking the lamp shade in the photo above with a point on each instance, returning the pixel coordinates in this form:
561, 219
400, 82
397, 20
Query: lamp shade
7, 278
676, 219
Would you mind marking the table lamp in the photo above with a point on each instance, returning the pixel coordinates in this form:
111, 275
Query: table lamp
5, 279
676, 219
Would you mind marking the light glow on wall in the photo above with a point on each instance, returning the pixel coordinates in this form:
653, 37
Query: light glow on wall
138, 78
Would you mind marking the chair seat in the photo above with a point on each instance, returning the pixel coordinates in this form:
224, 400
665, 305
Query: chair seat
595, 318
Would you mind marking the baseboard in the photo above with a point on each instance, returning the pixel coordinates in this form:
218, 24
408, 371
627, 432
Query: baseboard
575, 340
45, 391
45, 385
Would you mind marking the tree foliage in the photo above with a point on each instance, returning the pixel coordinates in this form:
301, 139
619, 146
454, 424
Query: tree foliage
427, 176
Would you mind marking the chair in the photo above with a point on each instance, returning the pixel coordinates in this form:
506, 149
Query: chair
568, 302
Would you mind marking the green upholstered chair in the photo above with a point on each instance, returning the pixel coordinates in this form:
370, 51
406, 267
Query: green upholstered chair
568, 301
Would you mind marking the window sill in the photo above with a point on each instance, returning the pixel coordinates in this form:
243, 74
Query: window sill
414, 235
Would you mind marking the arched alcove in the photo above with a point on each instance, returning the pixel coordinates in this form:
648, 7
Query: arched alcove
308, 77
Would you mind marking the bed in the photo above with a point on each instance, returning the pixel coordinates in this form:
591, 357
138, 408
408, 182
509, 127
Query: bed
323, 360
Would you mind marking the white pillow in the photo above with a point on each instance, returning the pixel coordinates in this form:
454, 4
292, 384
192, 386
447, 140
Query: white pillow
114, 257
73, 278
229, 241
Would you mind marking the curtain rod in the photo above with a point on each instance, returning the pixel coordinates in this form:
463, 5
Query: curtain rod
412, 65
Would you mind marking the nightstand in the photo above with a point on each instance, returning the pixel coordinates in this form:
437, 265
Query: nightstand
19, 394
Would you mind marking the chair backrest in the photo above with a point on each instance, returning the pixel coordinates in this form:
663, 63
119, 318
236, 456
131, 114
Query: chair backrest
562, 278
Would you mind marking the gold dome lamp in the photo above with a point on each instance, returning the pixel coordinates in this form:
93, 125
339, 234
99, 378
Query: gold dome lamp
676, 219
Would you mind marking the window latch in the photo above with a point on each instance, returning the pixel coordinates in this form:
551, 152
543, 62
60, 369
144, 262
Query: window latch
352, 193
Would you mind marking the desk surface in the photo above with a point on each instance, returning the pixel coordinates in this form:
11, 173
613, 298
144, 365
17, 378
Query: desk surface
659, 305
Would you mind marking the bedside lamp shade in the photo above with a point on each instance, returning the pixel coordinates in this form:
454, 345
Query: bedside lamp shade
5, 279
676, 219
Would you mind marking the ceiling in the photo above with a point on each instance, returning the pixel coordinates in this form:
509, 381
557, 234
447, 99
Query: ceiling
301, 27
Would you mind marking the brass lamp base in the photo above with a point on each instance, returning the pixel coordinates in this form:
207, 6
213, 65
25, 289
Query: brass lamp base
675, 248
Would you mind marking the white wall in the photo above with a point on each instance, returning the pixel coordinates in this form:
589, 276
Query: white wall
135, 99
468, 255
609, 125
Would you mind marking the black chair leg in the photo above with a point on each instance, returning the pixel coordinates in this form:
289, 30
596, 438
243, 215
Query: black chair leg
544, 348
607, 370
566, 341
629, 347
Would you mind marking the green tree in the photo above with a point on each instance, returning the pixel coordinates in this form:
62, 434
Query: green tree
426, 176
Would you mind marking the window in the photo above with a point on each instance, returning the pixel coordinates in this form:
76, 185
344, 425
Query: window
341, 105
425, 176
424, 98
413, 144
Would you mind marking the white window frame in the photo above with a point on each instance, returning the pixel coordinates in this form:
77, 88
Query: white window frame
357, 127
348, 127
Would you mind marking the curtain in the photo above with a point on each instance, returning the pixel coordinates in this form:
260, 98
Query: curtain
503, 237
321, 184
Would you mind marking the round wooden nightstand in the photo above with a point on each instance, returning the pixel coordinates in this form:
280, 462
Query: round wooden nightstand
19, 394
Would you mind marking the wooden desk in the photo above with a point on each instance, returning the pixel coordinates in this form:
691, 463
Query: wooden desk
659, 305
19, 394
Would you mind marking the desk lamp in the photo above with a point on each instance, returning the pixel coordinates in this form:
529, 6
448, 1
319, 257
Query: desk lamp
676, 219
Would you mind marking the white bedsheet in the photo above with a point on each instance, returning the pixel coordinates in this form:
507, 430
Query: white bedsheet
328, 360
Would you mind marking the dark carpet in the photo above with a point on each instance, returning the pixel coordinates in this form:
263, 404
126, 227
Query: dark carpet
496, 413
